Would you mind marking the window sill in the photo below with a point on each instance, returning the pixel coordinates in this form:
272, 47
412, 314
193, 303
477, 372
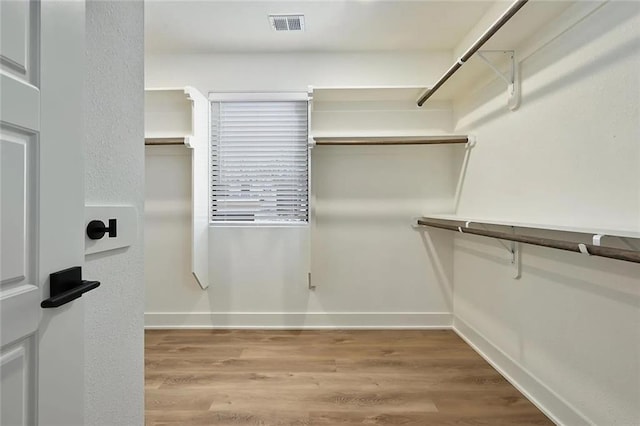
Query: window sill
257, 225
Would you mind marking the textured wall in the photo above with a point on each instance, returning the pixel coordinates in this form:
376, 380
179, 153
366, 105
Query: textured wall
114, 174
569, 156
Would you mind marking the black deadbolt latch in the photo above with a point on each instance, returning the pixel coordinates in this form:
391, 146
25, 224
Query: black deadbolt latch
96, 229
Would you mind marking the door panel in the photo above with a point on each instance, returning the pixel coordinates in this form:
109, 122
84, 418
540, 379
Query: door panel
19, 38
26, 114
13, 178
41, 210
16, 375
19, 293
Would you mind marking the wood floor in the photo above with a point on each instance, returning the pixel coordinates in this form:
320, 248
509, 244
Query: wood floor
205, 377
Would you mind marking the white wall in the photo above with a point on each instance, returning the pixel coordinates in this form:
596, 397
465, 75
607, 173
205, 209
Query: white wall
568, 331
290, 72
370, 267
167, 223
114, 165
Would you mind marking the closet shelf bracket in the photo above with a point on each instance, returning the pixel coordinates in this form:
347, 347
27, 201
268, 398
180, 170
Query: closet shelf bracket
597, 238
471, 141
513, 248
516, 259
512, 79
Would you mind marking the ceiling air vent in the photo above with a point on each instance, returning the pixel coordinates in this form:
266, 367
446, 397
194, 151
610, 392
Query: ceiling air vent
287, 22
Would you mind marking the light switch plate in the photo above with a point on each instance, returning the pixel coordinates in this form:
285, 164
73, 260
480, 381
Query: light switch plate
127, 226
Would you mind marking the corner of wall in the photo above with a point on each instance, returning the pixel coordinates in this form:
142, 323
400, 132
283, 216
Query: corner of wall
114, 175
549, 402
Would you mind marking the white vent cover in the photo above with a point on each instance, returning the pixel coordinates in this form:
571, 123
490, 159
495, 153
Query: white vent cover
287, 22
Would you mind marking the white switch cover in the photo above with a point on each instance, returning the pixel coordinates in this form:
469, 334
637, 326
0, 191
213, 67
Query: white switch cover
126, 225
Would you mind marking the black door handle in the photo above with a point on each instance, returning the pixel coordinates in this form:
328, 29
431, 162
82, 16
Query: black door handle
67, 285
96, 229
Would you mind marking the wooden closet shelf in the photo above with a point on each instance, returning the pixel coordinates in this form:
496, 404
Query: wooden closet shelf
590, 249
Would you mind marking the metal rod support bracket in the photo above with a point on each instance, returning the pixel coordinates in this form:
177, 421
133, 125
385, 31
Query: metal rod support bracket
514, 251
513, 248
471, 141
512, 80
516, 259
415, 225
309, 283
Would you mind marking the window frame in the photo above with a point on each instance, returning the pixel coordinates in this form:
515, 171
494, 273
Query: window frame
215, 96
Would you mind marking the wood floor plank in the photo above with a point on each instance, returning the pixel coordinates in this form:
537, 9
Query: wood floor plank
260, 365
285, 399
257, 377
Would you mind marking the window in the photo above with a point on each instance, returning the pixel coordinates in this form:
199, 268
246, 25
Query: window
259, 162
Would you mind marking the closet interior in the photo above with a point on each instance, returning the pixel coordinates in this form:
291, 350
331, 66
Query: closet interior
495, 194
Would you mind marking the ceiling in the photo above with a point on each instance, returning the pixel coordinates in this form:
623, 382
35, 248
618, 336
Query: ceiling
242, 26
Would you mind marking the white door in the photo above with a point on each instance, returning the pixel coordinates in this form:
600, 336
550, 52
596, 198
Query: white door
41, 210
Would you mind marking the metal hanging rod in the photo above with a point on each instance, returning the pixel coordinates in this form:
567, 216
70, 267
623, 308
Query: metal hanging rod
590, 249
409, 140
163, 141
504, 18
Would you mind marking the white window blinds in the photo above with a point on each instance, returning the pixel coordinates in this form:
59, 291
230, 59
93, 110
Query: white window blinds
259, 163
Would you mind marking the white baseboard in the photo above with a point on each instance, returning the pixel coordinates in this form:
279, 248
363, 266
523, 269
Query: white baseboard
550, 403
299, 320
